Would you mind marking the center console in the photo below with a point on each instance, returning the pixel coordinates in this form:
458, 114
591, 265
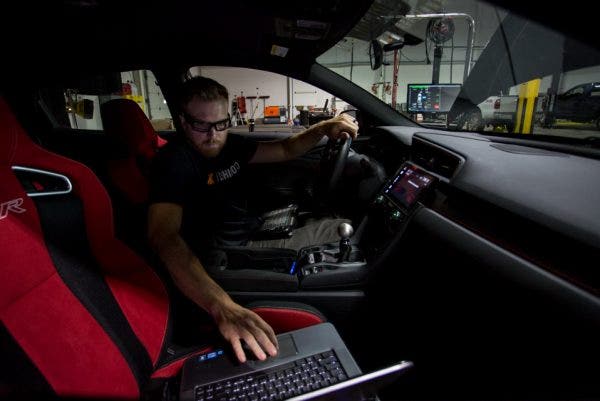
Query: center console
348, 262
392, 208
334, 264
344, 264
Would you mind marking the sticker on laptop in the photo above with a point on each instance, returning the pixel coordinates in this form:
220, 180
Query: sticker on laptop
210, 355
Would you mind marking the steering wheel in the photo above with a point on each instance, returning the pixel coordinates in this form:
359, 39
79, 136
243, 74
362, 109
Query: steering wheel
333, 161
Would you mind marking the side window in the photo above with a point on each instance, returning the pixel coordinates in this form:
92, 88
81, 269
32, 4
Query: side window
76, 105
575, 91
271, 102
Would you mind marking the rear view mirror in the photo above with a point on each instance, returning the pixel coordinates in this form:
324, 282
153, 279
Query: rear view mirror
376, 49
407, 40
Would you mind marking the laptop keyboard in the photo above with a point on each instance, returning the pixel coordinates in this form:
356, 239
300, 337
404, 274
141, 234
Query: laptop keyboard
277, 383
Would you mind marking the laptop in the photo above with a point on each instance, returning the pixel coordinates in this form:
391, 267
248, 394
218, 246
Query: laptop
313, 363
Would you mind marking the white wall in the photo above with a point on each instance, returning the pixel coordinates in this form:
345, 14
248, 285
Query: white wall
568, 80
158, 107
238, 80
250, 82
578, 77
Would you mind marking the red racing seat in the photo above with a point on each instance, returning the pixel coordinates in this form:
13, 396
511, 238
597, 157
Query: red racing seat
127, 125
82, 315
130, 129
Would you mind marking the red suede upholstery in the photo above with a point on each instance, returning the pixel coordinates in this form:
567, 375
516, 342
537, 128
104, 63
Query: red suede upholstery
126, 123
172, 369
284, 320
135, 286
57, 333
287, 316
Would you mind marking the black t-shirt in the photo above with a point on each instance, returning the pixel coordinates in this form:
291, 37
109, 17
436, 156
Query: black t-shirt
211, 191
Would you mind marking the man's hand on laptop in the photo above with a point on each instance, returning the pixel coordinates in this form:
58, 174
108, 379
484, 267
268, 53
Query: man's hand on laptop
237, 323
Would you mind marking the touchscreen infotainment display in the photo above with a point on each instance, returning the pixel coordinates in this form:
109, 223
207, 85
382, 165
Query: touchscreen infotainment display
410, 182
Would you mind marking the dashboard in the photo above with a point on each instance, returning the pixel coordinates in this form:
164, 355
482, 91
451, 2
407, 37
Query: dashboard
534, 203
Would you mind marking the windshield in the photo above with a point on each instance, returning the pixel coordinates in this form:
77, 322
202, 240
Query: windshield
470, 66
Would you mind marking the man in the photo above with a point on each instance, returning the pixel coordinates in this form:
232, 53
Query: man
195, 189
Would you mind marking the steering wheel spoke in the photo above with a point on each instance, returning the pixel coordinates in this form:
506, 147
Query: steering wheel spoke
333, 161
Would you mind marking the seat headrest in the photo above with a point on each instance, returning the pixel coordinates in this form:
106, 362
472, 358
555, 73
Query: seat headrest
11, 134
125, 122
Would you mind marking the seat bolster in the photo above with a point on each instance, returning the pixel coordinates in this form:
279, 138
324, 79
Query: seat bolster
287, 316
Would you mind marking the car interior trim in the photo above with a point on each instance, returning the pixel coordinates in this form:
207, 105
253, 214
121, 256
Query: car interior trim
68, 187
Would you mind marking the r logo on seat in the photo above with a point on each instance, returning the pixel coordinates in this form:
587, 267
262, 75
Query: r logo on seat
11, 206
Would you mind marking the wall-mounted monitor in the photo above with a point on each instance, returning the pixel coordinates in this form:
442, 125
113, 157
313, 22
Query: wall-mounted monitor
431, 98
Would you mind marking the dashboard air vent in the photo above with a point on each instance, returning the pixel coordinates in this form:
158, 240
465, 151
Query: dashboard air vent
435, 159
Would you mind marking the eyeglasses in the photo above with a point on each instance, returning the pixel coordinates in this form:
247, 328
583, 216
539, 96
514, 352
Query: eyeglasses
204, 126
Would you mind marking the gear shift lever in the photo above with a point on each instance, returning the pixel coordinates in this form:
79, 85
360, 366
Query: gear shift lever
345, 231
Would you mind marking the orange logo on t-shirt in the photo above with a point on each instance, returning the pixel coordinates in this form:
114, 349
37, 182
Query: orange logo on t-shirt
211, 179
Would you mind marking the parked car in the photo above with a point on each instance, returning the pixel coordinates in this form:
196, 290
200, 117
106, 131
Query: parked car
499, 111
494, 112
580, 104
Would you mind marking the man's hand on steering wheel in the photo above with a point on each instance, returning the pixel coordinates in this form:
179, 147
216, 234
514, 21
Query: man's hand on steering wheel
343, 126
341, 130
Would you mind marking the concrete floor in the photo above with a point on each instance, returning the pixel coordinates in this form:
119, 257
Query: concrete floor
571, 130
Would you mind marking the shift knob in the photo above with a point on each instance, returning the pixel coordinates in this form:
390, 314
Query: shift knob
345, 230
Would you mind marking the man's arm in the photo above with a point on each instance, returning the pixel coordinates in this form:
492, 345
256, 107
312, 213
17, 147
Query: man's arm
342, 126
235, 322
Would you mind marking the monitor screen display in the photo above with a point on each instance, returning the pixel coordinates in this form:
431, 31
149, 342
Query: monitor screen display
408, 184
431, 98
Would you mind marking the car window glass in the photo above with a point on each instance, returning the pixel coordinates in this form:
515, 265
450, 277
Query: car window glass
271, 102
467, 65
575, 91
76, 105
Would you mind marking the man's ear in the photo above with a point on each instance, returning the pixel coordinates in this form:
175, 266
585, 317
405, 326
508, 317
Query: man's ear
181, 120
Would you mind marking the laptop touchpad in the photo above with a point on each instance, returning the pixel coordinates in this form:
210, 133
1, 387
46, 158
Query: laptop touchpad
287, 347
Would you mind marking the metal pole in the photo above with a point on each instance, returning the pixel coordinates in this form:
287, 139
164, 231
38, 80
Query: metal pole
289, 101
437, 61
395, 85
146, 92
351, 59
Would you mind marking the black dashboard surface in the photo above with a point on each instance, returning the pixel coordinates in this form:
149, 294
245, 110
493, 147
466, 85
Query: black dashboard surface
557, 190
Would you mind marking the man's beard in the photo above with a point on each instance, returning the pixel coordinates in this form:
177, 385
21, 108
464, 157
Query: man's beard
211, 148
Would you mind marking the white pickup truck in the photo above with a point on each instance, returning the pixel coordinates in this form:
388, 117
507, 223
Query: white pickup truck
495, 111
499, 111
